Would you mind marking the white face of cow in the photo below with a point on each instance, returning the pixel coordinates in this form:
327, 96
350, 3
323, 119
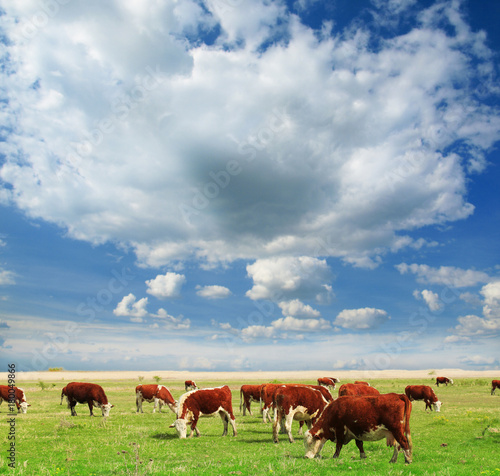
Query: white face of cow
313, 445
181, 427
106, 408
437, 406
24, 407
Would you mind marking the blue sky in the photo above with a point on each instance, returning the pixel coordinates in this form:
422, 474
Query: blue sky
244, 185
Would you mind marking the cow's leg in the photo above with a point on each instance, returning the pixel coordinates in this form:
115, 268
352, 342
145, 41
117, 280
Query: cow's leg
301, 424
138, 402
339, 438
401, 441
288, 426
362, 453
249, 403
160, 404
493, 390
276, 426
233, 424
225, 421
72, 408
91, 404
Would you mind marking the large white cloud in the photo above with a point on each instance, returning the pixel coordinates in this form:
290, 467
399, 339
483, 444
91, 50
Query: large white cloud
129, 306
365, 318
166, 285
280, 279
124, 126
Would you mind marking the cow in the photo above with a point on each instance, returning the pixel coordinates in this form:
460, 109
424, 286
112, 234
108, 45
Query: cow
363, 418
297, 402
249, 394
159, 394
267, 396
360, 382
425, 393
190, 385
443, 381
357, 389
14, 395
90, 393
204, 402
494, 385
328, 382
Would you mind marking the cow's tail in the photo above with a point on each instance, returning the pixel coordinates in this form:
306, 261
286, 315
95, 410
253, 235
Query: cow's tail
406, 416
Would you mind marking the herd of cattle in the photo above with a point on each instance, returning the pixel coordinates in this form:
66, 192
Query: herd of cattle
359, 412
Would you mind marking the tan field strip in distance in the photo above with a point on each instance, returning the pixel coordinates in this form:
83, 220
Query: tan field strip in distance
259, 376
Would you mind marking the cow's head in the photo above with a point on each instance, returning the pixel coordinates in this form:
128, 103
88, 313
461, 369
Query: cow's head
181, 427
23, 406
436, 406
313, 445
451, 381
105, 409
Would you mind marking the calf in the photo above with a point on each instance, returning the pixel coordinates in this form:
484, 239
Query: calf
425, 393
159, 394
297, 402
357, 389
443, 381
90, 393
328, 382
190, 385
14, 395
249, 394
204, 402
369, 418
494, 385
269, 389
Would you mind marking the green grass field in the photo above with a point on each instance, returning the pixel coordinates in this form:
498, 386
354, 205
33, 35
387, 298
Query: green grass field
463, 439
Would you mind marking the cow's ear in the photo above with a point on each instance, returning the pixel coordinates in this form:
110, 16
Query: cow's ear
112, 406
29, 404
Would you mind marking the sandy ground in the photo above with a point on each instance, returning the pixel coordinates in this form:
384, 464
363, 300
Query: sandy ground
259, 376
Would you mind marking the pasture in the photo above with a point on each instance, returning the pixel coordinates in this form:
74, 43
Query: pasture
464, 438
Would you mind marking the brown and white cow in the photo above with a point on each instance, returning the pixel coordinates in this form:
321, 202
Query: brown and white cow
249, 394
269, 389
369, 418
204, 402
190, 385
7, 392
360, 382
357, 389
90, 393
328, 382
425, 393
297, 402
159, 394
494, 385
443, 381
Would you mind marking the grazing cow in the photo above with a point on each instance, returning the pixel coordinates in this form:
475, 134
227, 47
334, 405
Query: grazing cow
159, 394
269, 389
357, 389
369, 418
360, 382
297, 402
328, 382
494, 385
190, 385
425, 393
443, 380
249, 394
90, 393
204, 402
7, 392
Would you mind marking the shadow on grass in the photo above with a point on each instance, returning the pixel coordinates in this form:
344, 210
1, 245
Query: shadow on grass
164, 436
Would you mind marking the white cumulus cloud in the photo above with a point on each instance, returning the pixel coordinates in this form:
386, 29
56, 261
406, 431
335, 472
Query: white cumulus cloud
213, 292
166, 285
129, 306
445, 275
365, 318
